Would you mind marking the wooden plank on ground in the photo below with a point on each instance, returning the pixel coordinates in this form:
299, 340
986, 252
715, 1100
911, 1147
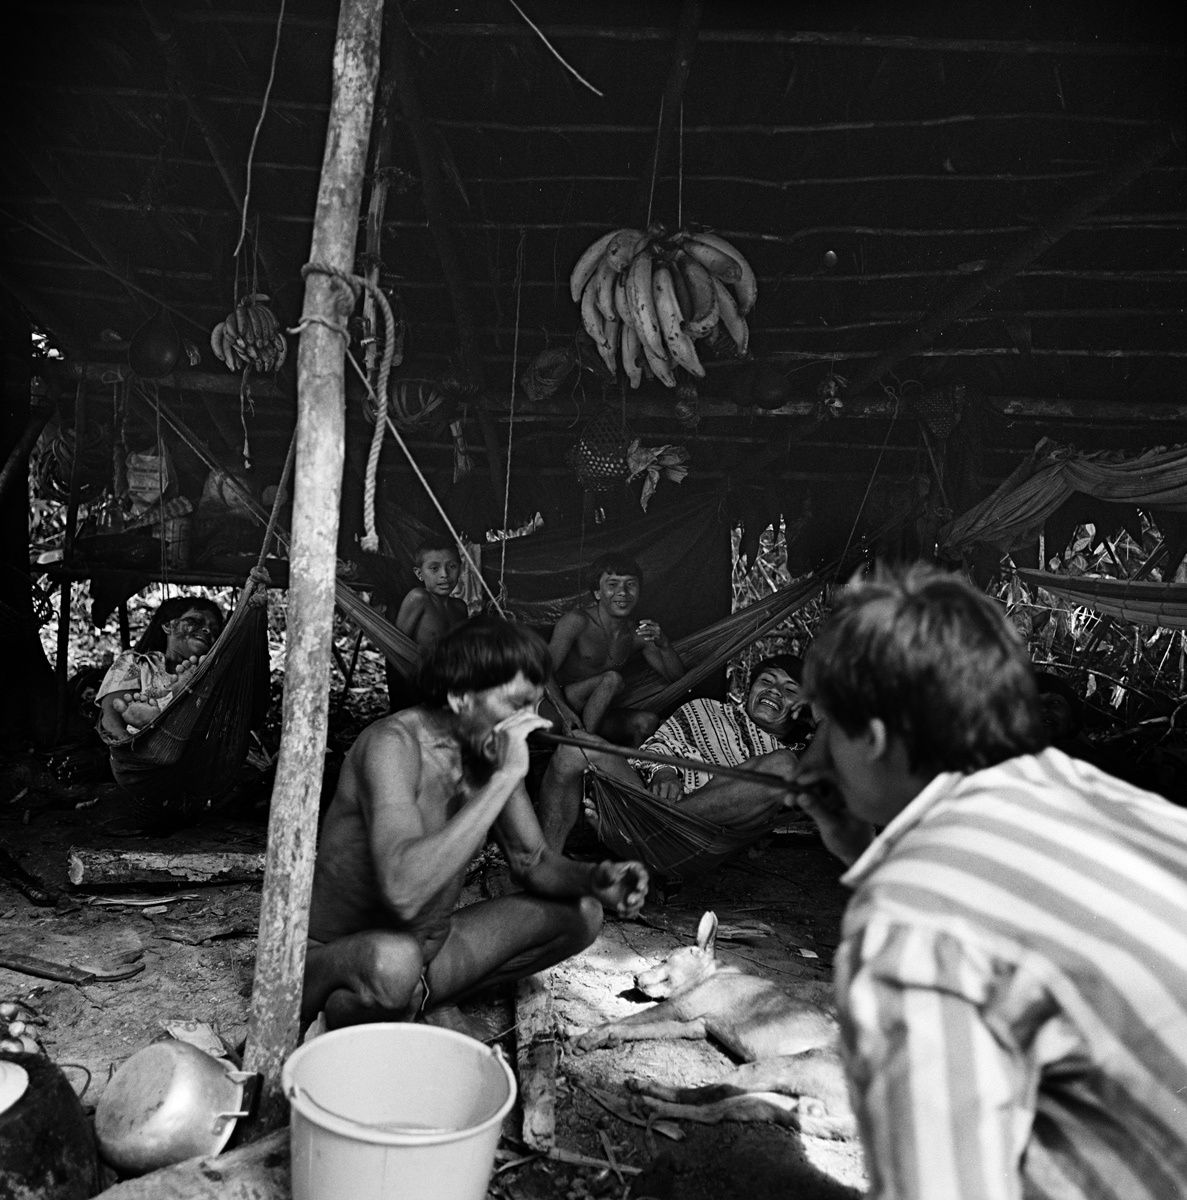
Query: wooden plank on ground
537, 1057
96, 867
258, 1171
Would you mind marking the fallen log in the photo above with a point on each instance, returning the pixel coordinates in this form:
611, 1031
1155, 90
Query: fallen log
94, 867
257, 1171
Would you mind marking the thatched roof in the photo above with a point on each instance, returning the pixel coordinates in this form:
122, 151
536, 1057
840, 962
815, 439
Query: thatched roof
932, 196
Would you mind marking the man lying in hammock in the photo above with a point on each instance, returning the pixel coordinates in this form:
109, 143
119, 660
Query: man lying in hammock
418, 793
591, 645
141, 681
763, 734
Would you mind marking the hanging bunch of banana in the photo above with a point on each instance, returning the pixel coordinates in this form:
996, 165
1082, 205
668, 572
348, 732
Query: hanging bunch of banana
250, 336
646, 297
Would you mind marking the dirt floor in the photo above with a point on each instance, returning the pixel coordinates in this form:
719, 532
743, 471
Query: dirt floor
779, 909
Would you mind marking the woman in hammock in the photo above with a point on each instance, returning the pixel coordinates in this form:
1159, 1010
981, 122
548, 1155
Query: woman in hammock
765, 733
140, 683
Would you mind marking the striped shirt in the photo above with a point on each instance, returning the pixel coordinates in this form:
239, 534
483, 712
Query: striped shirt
1012, 983
710, 731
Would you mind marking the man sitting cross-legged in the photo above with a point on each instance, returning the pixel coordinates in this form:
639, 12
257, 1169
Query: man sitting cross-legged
418, 793
591, 645
763, 734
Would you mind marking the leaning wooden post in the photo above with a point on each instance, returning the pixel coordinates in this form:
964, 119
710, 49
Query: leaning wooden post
292, 823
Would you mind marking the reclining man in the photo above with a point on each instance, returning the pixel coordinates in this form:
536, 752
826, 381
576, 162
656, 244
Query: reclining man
763, 734
591, 645
418, 793
1012, 978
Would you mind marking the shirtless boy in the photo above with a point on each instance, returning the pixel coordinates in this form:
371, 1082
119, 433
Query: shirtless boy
431, 610
418, 793
591, 645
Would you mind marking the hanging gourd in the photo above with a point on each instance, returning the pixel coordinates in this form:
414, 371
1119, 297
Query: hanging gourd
647, 297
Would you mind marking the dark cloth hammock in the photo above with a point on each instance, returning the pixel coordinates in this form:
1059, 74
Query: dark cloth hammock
670, 841
186, 759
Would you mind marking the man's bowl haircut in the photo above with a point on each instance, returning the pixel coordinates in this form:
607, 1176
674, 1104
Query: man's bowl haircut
613, 564
483, 652
792, 664
936, 661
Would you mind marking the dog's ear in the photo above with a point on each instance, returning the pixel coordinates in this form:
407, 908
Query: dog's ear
707, 932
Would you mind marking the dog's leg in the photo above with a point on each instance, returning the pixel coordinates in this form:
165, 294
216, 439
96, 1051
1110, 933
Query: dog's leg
652, 1024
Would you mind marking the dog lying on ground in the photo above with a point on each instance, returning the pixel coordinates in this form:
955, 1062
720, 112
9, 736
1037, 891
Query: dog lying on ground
791, 1069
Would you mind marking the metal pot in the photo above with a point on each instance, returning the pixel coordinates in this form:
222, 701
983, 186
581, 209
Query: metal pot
168, 1102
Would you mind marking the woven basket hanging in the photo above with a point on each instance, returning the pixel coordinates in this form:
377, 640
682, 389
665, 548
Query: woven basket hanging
598, 456
940, 409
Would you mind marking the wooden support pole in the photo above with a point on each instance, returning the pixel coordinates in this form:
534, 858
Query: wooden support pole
1045, 235
426, 141
687, 30
321, 421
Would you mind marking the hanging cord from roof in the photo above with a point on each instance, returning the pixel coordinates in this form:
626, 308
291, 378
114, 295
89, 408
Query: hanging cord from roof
655, 159
382, 417
511, 416
873, 475
555, 53
680, 172
256, 132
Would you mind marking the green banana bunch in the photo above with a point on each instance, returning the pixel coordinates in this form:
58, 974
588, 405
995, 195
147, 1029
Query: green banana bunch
250, 336
647, 296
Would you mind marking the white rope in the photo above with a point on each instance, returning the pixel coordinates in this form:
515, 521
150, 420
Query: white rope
463, 550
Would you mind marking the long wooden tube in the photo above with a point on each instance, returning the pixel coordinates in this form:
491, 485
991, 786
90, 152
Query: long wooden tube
766, 778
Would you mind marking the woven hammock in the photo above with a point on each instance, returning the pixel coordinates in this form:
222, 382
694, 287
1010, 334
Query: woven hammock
187, 757
670, 841
713, 646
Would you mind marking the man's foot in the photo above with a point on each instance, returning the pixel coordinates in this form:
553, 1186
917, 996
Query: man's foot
449, 1016
136, 711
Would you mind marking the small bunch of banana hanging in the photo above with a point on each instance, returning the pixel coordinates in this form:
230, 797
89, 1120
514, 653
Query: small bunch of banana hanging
250, 336
647, 296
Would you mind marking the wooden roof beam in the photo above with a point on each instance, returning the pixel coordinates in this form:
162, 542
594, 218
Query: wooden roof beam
1046, 234
160, 17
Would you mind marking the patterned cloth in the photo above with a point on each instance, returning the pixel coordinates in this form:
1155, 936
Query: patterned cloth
710, 730
134, 671
1013, 989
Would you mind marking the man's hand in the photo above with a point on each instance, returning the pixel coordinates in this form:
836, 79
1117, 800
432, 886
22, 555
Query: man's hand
620, 886
651, 633
507, 745
666, 785
842, 833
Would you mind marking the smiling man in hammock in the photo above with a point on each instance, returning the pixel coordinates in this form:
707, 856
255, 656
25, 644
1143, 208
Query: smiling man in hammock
765, 733
591, 645
418, 794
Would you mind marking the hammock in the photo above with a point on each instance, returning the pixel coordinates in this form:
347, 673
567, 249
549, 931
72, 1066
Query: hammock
716, 644
672, 842
187, 757
1143, 602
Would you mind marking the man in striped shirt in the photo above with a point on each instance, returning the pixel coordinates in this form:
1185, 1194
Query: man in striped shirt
1012, 979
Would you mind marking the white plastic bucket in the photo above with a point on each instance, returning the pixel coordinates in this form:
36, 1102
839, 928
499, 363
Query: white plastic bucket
395, 1112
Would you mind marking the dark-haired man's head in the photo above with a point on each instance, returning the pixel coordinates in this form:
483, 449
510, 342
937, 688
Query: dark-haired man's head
935, 662
483, 652
616, 581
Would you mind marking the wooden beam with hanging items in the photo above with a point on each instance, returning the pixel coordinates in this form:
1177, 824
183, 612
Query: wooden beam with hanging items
328, 304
